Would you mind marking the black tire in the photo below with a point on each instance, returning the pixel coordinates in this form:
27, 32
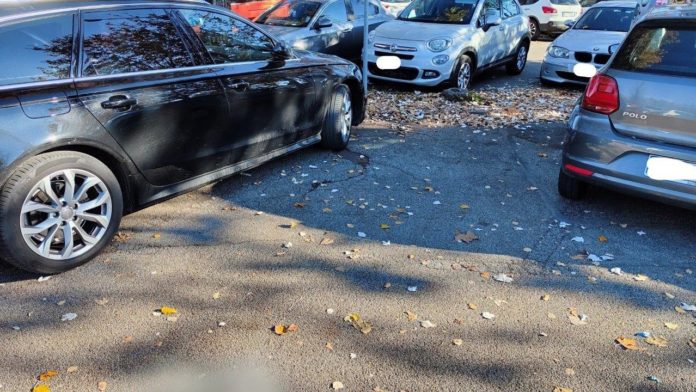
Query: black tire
13, 247
534, 29
335, 134
571, 188
464, 60
516, 66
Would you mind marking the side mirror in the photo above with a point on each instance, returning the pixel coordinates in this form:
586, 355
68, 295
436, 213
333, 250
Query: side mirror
569, 24
280, 52
492, 18
322, 23
614, 48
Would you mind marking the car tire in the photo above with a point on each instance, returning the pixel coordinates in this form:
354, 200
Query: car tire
47, 199
571, 188
534, 29
462, 73
516, 66
338, 122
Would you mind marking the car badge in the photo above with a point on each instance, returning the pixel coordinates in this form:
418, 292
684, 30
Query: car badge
393, 48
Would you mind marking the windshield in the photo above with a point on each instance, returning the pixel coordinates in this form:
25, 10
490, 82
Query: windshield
440, 11
607, 19
291, 13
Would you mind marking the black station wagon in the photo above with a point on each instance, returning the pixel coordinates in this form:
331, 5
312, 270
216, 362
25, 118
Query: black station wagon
107, 107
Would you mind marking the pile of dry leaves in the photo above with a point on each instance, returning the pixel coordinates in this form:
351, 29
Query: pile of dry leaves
489, 108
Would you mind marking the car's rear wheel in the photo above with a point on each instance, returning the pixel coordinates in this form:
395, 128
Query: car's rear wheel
462, 73
534, 29
339, 120
571, 188
516, 65
57, 211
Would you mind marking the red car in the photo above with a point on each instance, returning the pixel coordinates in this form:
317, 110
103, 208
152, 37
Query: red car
249, 9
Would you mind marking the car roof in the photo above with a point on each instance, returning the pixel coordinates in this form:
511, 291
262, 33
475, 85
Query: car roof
15, 8
616, 3
672, 12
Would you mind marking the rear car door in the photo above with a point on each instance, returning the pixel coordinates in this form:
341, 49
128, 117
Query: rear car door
337, 39
141, 81
272, 103
656, 73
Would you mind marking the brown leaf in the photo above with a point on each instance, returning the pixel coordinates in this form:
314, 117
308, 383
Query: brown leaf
656, 341
299, 205
329, 346
485, 275
411, 316
293, 328
157, 236
603, 238
467, 237
627, 343
326, 241
562, 389
48, 374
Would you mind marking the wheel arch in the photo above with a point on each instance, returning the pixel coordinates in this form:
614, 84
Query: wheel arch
356, 98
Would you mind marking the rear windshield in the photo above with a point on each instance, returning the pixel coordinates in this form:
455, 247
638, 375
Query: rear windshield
659, 50
565, 2
607, 19
440, 11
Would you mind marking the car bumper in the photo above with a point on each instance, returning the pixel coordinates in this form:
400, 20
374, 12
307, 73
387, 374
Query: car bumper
419, 70
619, 162
557, 25
561, 71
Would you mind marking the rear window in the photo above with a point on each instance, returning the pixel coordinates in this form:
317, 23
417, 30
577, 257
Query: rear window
659, 50
36, 50
565, 2
607, 19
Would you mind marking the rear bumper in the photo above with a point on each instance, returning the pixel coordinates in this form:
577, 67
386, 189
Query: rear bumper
554, 27
619, 162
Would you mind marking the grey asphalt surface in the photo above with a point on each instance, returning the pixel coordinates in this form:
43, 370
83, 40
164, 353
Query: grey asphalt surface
223, 254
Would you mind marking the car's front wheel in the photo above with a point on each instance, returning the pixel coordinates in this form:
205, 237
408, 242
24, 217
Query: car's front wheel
339, 120
57, 211
462, 73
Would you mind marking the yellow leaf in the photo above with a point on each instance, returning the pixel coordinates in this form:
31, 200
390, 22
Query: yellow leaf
485, 275
41, 388
671, 326
292, 225
627, 343
329, 346
656, 341
473, 306
101, 385
603, 238
326, 241
411, 316
562, 389
679, 310
464, 206
216, 295
280, 329
545, 297
47, 375
167, 310
384, 226
157, 236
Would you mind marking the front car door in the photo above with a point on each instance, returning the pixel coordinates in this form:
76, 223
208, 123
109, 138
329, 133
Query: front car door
272, 103
141, 81
513, 24
492, 47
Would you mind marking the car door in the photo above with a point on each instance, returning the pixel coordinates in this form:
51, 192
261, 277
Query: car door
272, 102
141, 81
513, 25
492, 46
335, 39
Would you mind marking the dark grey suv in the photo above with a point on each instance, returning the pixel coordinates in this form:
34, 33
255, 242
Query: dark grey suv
635, 129
110, 106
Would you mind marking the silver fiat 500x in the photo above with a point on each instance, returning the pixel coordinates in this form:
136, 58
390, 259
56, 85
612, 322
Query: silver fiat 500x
447, 41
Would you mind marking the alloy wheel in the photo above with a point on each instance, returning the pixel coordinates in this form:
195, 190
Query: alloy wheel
346, 116
66, 214
522, 57
464, 76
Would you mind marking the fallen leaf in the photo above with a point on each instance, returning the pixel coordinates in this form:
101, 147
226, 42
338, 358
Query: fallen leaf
48, 374
551, 316
165, 310
562, 389
157, 236
101, 385
384, 226
464, 206
216, 295
299, 205
72, 369
603, 238
68, 317
327, 210
672, 326
569, 371
326, 241
467, 237
293, 328
411, 316
472, 306
280, 330
329, 346
126, 339
337, 385
427, 324
545, 297
577, 320
679, 310
102, 301
641, 278
627, 343
41, 388
457, 342
358, 323
656, 341
503, 278
485, 275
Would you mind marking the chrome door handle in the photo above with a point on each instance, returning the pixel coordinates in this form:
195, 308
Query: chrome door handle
238, 85
119, 102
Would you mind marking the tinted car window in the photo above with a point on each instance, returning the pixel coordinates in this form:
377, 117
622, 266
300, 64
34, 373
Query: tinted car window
510, 8
291, 13
227, 39
36, 50
131, 41
660, 50
359, 8
336, 12
607, 19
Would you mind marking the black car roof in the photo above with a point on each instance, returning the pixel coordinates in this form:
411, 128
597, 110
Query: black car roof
9, 8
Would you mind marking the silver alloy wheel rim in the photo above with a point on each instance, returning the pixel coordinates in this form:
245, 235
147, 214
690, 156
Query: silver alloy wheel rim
532, 29
522, 58
464, 76
66, 214
346, 116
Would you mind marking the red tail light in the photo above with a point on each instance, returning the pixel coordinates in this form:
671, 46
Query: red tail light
548, 10
602, 95
578, 170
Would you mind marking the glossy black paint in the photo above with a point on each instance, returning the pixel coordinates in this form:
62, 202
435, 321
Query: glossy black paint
164, 132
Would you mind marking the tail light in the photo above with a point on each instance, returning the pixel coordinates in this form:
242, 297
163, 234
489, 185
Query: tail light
602, 95
548, 10
578, 170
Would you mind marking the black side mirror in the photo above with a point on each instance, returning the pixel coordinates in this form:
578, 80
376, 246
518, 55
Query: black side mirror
569, 24
322, 23
280, 52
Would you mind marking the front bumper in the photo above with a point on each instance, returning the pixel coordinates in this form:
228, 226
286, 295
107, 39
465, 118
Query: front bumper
619, 162
417, 65
561, 71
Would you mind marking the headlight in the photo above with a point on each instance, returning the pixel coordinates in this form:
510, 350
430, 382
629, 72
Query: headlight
371, 36
439, 44
440, 59
558, 52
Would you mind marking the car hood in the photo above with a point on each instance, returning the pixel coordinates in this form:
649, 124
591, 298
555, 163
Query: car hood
419, 31
589, 40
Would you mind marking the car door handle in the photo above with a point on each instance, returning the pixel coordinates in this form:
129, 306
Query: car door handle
238, 85
119, 102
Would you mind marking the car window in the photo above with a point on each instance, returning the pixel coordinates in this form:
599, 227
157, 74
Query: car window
510, 8
36, 50
607, 19
440, 11
359, 8
659, 50
126, 41
291, 13
227, 39
336, 12
489, 5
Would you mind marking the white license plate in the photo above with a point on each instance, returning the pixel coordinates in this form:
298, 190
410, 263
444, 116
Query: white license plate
569, 14
668, 169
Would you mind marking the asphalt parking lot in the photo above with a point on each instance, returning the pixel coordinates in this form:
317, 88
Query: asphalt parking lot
419, 233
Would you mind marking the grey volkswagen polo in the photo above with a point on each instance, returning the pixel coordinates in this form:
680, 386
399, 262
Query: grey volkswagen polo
635, 128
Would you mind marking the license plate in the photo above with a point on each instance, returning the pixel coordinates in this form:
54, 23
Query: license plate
569, 14
668, 169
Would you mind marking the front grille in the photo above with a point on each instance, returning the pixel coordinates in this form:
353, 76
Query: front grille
399, 55
572, 76
396, 48
602, 58
583, 57
403, 73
